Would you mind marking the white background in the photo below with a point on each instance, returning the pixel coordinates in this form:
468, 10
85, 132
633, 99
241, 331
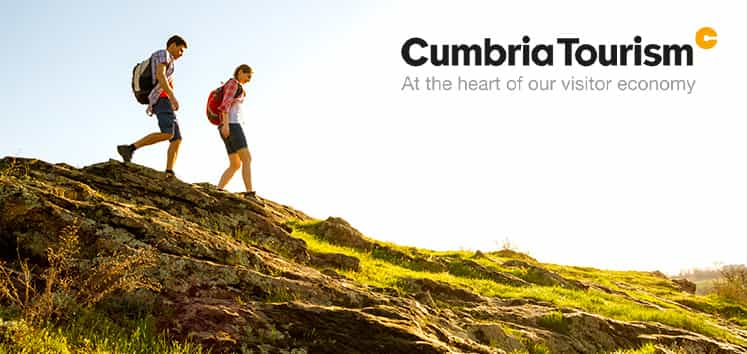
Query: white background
646, 181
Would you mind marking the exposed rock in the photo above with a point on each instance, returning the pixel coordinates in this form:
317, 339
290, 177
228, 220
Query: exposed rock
492, 334
685, 285
339, 232
218, 323
572, 331
473, 269
623, 295
542, 276
693, 344
335, 260
233, 278
507, 253
441, 291
425, 298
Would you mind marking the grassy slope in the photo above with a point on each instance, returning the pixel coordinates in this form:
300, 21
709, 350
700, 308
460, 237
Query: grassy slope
647, 287
95, 332
90, 332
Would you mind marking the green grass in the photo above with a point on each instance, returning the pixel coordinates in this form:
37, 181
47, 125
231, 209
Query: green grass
94, 332
734, 312
91, 332
647, 348
406, 257
533, 348
381, 273
462, 270
655, 290
554, 321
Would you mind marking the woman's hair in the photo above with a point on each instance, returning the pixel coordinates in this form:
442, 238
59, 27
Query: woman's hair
243, 68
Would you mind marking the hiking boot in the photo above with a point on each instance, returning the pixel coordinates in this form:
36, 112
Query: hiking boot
252, 196
126, 152
170, 175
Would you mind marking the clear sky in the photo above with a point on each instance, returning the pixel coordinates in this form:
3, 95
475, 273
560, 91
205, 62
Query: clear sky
612, 180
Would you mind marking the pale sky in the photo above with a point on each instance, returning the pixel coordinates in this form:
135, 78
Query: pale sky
633, 180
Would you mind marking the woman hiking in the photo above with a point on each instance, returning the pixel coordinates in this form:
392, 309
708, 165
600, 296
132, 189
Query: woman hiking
232, 132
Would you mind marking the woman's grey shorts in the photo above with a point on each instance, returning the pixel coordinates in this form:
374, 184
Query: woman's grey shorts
236, 139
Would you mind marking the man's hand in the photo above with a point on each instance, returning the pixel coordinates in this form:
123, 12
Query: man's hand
174, 103
224, 131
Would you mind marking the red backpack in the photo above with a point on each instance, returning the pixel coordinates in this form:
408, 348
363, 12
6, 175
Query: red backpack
215, 99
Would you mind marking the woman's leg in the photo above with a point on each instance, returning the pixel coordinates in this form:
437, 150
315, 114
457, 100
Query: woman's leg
234, 164
246, 169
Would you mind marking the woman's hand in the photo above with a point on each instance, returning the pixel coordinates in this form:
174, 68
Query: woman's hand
224, 132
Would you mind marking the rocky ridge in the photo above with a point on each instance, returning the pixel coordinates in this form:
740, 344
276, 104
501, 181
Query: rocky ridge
233, 277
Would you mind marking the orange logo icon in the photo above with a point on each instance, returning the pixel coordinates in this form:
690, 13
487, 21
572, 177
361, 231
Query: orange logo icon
706, 38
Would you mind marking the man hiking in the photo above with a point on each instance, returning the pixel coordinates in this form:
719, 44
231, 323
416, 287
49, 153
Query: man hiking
163, 103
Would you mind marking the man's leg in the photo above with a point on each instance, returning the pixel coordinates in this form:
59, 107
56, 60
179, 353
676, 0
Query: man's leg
168, 127
126, 151
167, 123
169, 131
171, 154
151, 139
246, 169
233, 166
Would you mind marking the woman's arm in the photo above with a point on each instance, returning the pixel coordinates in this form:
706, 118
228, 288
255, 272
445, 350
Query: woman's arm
229, 90
224, 131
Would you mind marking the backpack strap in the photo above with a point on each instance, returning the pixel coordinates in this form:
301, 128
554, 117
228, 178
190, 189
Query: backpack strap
239, 89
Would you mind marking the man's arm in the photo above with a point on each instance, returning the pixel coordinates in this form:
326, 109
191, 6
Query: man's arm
164, 83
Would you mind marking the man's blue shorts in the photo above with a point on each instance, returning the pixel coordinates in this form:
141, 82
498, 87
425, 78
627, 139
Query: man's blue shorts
166, 118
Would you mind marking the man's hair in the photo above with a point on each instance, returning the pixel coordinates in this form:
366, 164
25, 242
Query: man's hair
178, 40
244, 68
